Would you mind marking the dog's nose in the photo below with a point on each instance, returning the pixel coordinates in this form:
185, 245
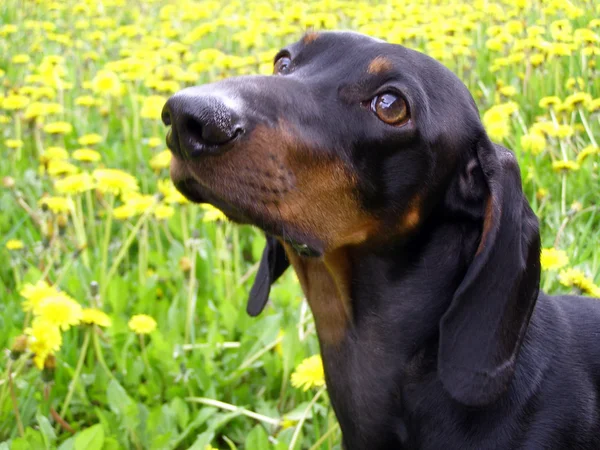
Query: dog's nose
200, 124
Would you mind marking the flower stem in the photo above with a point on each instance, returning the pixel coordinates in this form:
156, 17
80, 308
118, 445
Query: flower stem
13, 396
100, 354
233, 408
144, 352
106, 241
588, 130
296, 434
191, 299
73, 384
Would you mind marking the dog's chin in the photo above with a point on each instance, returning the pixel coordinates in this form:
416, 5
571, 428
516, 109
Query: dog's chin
302, 244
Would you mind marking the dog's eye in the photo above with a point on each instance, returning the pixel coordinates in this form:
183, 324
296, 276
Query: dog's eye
282, 65
390, 108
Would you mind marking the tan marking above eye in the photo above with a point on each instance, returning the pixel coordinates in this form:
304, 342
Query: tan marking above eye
310, 37
390, 108
379, 65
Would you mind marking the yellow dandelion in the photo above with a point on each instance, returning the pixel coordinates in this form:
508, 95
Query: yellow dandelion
154, 142
594, 105
552, 259
309, 373
142, 324
35, 293
87, 100
550, 102
74, 184
587, 151
54, 153
163, 212
579, 99
152, 107
60, 310
14, 244
15, 102
576, 278
533, 142
171, 194
57, 167
134, 204
56, 204
161, 160
89, 139
565, 166
107, 82
86, 155
13, 143
44, 339
212, 214
114, 181
94, 316
58, 127
542, 193
562, 131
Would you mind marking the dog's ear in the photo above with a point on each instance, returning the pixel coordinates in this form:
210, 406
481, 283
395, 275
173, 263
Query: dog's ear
483, 329
272, 265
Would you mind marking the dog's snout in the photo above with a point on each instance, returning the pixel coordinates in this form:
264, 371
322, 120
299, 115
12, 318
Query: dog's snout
200, 124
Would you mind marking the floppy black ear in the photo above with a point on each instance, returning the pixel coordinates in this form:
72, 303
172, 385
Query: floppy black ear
272, 265
482, 330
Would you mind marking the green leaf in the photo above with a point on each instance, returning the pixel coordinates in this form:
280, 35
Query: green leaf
202, 441
69, 444
182, 412
257, 439
47, 431
90, 439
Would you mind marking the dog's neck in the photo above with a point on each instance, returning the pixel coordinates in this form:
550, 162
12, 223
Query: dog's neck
387, 296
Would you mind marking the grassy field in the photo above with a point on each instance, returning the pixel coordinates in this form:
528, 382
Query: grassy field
122, 306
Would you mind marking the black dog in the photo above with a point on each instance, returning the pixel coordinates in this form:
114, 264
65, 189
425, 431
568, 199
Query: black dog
367, 165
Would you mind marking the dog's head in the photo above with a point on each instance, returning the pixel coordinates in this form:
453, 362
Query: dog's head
354, 141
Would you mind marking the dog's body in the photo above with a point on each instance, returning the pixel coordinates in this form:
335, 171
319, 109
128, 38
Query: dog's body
367, 165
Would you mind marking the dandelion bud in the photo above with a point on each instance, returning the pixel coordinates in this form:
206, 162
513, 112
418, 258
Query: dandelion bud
8, 182
94, 288
18, 347
49, 369
185, 264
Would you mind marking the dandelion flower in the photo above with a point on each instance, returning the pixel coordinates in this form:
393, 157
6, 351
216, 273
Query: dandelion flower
60, 310
578, 99
57, 204
115, 181
152, 107
94, 316
154, 142
74, 184
89, 139
58, 128
54, 153
161, 160
212, 214
576, 278
565, 166
587, 151
533, 142
552, 259
35, 293
142, 324
86, 155
87, 100
15, 102
14, 244
163, 212
172, 195
309, 373
44, 340
107, 82
13, 143
550, 102
57, 167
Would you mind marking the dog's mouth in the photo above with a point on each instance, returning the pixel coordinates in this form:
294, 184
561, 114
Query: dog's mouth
303, 245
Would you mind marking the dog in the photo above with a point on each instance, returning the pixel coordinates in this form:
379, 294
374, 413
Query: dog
368, 168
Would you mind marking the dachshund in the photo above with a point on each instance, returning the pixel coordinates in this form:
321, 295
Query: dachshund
367, 166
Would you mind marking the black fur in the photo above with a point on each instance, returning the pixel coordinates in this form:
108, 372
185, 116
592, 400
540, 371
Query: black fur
451, 344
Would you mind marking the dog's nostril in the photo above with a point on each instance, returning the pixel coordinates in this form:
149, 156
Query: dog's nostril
193, 129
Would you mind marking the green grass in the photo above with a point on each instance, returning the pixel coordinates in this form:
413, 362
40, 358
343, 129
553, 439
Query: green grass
210, 374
